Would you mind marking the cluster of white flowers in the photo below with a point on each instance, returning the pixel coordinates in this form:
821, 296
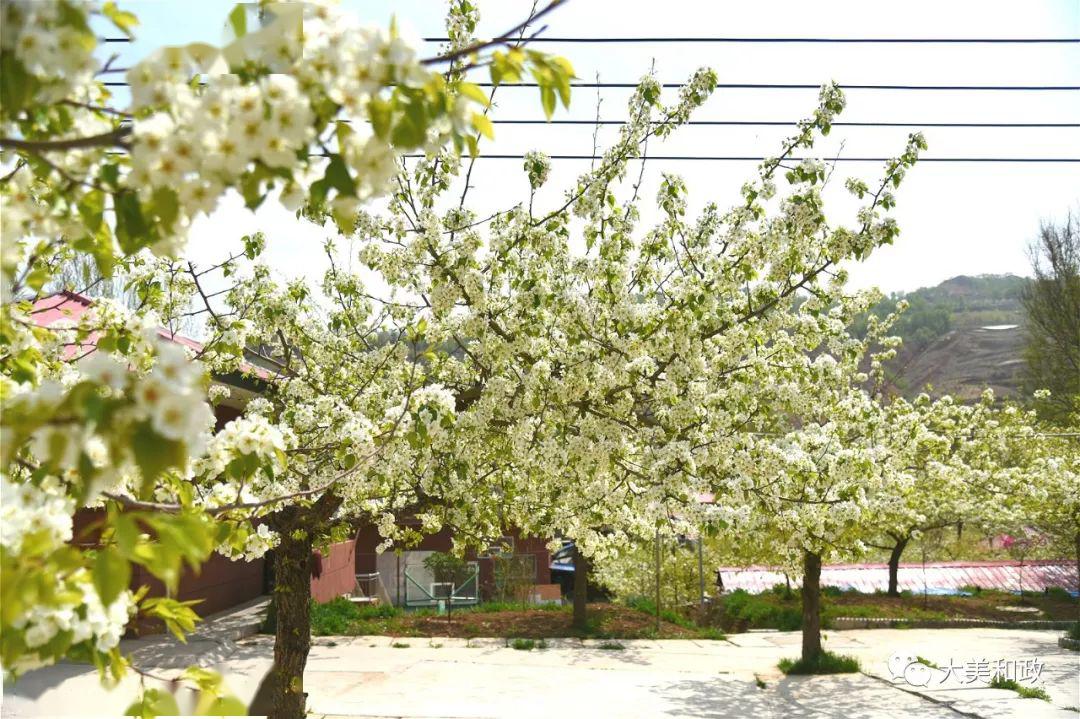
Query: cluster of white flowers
59, 54
245, 436
256, 544
430, 406
207, 139
171, 397
28, 509
86, 619
201, 140
537, 167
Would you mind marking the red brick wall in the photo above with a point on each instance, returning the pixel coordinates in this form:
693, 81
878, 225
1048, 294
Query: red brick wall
338, 574
221, 583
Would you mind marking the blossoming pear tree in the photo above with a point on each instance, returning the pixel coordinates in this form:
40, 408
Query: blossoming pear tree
618, 370
951, 464
304, 106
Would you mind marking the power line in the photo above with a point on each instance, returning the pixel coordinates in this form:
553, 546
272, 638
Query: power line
801, 86
788, 123
803, 40
748, 158
774, 86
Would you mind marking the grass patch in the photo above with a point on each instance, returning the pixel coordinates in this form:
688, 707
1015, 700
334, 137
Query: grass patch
400, 645
759, 682
825, 663
341, 616
1074, 631
926, 662
648, 606
523, 645
1000, 682
611, 646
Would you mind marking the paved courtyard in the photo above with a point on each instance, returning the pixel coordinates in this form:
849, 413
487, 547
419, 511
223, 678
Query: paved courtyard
371, 677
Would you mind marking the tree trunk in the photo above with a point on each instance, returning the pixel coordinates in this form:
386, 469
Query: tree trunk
811, 607
581, 588
894, 566
292, 596
297, 528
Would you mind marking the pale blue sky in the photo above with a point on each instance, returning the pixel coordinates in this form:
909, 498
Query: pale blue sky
955, 219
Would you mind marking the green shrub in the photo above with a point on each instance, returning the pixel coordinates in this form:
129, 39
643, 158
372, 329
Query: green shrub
1059, 593
611, 646
648, 606
1074, 631
761, 611
400, 645
825, 663
1000, 682
523, 645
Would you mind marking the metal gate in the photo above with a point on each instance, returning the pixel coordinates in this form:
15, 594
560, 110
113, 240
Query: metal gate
421, 589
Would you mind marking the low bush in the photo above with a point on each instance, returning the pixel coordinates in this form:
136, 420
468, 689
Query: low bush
523, 645
1074, 631
648, 606
825, 663
760, 611
1000, 682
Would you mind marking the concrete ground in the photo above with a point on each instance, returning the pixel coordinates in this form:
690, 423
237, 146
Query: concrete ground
380, 677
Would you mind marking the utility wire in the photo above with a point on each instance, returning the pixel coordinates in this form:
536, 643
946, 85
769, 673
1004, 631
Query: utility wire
788, 123
749, 158
774, 86
802, 40
801, 86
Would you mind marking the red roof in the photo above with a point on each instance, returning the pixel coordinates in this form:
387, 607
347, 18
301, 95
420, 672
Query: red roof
1037, 575
67, 305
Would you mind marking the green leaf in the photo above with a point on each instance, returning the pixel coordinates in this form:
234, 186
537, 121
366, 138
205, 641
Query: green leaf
154, 703
16, 85
483, 125
132, 231
227, 706
153, 453
123, 20
238, 20
547, 100
473, 92
111, 574
380, 111
166, 205
337, 175
92, 209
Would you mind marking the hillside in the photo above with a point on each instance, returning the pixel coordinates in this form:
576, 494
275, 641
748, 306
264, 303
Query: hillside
960, 337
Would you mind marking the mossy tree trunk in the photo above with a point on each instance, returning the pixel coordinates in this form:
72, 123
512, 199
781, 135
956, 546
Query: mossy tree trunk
811, 607
292, 642
300, 528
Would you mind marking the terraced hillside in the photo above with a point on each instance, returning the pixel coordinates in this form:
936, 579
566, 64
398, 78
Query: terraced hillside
960, 337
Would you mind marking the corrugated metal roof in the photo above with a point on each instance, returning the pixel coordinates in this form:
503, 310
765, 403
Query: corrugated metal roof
1037, 576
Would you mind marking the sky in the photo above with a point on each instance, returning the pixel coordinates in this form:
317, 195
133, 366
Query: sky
955, 218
